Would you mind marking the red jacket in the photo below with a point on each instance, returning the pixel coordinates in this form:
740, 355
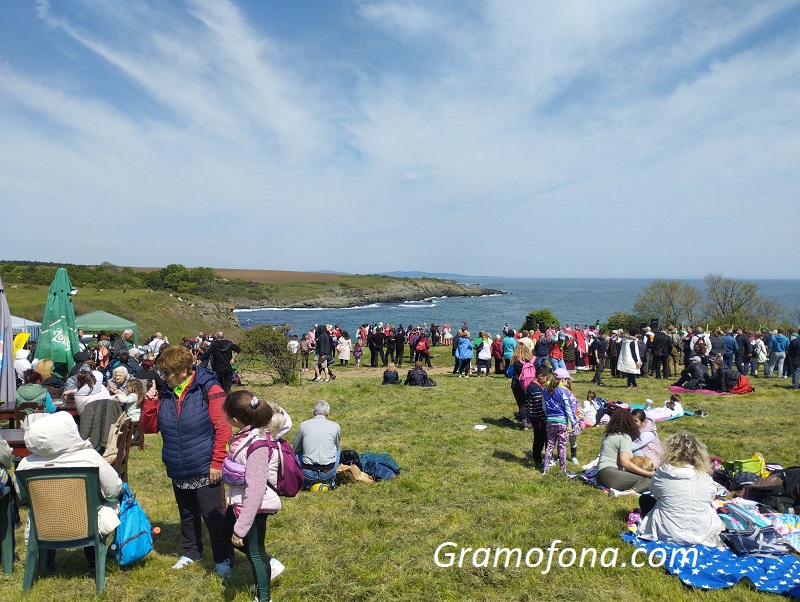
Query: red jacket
497, 349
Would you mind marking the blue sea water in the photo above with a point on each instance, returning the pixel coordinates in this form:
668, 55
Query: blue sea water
581, 300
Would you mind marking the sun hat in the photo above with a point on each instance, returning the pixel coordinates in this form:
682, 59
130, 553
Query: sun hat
562, 373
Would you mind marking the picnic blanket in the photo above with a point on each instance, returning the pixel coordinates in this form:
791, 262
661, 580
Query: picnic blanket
656, 416
675, 389
718, 569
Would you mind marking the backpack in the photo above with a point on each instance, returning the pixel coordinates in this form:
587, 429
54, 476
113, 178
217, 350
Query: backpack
133, 539
700, 347
380, 467
527, 374
290, 475
764, 541
780, 490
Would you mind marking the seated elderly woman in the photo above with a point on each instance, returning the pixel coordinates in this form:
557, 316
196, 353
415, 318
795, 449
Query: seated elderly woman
54, 441
680, 510
33, 390
615, 469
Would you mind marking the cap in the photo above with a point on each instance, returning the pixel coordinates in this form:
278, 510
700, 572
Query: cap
562, 373
81, 356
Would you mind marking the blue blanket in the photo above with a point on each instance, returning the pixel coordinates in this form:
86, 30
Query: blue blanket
718, 569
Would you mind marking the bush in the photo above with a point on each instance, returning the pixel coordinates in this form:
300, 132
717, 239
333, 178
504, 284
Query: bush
540, 315
269, 342
626, 321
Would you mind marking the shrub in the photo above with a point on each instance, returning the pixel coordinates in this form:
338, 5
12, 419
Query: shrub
539, 315
269, 342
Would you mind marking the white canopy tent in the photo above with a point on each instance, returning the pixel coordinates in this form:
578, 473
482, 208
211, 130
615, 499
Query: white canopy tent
22, 325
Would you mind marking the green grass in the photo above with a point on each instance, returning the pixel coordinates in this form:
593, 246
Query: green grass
474, 488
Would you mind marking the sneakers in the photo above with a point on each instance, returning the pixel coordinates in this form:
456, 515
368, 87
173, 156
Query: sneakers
327, 380
223, 569
575, 460
316, 380
276, 567
182, 563
616, 493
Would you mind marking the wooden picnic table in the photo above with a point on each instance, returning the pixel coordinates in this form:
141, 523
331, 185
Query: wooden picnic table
68, 405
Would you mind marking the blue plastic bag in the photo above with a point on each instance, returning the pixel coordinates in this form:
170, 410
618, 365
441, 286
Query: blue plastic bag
133, 539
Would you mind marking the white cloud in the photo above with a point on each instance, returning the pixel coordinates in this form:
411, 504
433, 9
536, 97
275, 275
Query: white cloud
622, 116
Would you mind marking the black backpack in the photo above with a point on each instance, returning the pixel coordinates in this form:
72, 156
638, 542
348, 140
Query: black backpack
780, 490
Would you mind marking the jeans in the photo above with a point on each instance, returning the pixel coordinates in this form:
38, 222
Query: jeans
776, 357
319, 476
557, 363
728, 360
795, 364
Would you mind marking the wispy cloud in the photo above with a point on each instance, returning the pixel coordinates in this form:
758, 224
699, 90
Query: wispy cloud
505, 118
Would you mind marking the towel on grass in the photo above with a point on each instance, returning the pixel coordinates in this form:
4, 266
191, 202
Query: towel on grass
655, 416
718, 569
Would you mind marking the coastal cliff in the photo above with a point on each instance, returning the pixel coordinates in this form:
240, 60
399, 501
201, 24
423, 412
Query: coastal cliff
394, 290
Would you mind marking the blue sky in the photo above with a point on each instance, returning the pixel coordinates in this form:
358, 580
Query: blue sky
618, 138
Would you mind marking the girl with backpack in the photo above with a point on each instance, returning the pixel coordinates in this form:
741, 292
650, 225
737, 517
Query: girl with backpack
251, 472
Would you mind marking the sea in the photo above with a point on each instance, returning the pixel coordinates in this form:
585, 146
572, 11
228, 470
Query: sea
579, 300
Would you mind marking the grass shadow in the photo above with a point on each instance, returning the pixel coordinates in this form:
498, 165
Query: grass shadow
503, 422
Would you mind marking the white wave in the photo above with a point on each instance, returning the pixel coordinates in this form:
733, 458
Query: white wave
245, 310
410, 305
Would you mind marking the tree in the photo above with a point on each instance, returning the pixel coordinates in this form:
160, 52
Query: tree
270, 342
623, 320
668, 300
540, 315
731, 302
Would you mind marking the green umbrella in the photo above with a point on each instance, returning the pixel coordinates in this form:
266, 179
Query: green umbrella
58, 339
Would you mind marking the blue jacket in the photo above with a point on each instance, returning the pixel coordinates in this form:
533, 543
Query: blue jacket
778, 343
731, 346
464, 349
558, 406
189, 440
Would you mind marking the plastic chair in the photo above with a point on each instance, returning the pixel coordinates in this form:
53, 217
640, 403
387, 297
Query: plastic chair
120, 463
44, 490
7, 529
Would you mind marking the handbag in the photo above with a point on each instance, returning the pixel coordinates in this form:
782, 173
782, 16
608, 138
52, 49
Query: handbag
111, 451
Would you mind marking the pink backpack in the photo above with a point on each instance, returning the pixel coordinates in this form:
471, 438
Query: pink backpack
290, 475
527, 375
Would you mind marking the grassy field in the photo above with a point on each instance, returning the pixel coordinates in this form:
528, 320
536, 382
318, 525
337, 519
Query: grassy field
473, 488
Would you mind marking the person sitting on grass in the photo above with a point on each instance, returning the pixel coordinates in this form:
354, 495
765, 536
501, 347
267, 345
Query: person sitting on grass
316, 446
725, 378
615, 469
694, 376
647, 444
679, 510
390, 376
417, 377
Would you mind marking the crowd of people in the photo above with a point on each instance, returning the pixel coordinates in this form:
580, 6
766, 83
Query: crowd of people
211, 434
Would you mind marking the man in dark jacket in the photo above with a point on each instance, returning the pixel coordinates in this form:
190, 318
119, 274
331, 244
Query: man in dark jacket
222, 354
661, 348
743, 352
418, 377
378, 339
694, 376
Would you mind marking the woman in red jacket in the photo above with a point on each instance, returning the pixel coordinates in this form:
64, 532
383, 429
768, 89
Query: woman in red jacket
497, 354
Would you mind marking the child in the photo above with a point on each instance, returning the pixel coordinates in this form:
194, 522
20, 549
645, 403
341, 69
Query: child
590, 408
535, 411
252, 498
674, 405
574, 429
131, 401
358, 351
558, 408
